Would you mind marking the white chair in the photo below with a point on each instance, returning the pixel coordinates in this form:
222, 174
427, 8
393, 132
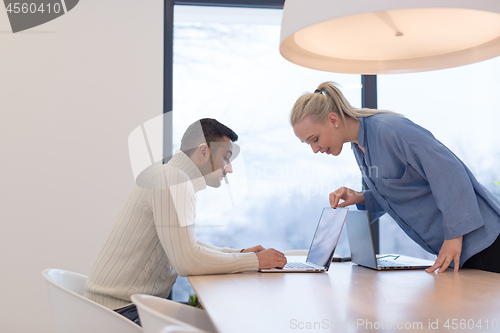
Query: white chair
160, 315
74, 313
296, 253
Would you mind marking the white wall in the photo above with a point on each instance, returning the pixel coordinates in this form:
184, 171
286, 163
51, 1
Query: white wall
71, 91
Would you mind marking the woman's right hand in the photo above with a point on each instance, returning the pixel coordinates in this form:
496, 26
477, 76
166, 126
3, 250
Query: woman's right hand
349, 196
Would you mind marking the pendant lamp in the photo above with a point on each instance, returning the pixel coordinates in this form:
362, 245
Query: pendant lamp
389, 36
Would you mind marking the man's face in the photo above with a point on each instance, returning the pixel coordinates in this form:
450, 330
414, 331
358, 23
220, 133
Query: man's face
219, 164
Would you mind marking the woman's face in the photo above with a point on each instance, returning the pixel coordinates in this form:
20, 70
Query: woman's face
326, 137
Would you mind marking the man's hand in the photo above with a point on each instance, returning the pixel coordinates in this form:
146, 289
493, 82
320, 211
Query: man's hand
450, 251
255, 249
349, 196
271, 258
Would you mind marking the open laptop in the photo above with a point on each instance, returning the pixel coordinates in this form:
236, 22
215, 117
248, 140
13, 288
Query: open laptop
322, 246
360, 238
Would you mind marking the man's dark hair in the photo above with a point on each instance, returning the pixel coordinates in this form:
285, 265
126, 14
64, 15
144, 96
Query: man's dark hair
213, 131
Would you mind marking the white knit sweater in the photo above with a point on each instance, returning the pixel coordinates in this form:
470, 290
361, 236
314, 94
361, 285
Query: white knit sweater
153, 239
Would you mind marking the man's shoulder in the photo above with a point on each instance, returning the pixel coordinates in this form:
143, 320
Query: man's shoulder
161, 175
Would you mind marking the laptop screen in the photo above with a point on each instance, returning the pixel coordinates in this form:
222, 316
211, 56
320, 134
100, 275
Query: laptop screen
327, 236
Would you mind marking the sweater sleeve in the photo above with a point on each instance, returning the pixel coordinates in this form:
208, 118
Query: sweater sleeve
174, 211
221, 249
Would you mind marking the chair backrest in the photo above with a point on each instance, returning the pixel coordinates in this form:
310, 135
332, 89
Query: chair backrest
158, 314
74, 313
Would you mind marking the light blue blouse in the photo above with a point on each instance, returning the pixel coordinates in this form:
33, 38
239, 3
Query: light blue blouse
423, 186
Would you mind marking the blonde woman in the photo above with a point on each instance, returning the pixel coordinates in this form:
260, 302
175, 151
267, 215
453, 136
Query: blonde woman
421, 184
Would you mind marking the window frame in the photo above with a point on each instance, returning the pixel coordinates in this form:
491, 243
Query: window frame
368, 90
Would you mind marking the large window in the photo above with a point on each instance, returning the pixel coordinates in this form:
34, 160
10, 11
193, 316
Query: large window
227, 66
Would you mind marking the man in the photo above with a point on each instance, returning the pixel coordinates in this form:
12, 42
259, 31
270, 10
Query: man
153, 239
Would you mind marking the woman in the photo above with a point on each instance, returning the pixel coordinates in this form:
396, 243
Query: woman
413, 177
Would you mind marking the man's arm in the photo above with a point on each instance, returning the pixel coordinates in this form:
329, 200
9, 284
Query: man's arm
216, 248
254, 249
174, 215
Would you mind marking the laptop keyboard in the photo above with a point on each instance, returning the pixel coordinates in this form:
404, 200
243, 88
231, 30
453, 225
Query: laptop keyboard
297, 265
389, 263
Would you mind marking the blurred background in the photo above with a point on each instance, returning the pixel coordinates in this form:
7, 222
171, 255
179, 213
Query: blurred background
227, 66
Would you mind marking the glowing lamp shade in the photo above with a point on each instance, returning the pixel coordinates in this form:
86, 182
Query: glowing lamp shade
389, 36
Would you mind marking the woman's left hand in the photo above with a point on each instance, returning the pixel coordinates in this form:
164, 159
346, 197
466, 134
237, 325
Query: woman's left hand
450, 251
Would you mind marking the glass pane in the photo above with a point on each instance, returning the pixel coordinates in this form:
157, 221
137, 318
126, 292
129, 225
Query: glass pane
460, 107
227, 66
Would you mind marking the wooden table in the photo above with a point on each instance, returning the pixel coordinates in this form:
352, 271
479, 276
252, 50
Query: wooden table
351, 298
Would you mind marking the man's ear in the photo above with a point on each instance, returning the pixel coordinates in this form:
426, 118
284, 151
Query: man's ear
203, 152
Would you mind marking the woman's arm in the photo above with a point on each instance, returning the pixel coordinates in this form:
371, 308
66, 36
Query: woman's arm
363, 200
449, 183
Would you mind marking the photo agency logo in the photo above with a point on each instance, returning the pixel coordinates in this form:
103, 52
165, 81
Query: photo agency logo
26, 15
224, 176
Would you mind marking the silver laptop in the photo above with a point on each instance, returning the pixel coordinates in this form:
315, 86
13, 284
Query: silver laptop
360, 238
322, 246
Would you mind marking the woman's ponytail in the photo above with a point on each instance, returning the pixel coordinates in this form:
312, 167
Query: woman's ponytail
327, 99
